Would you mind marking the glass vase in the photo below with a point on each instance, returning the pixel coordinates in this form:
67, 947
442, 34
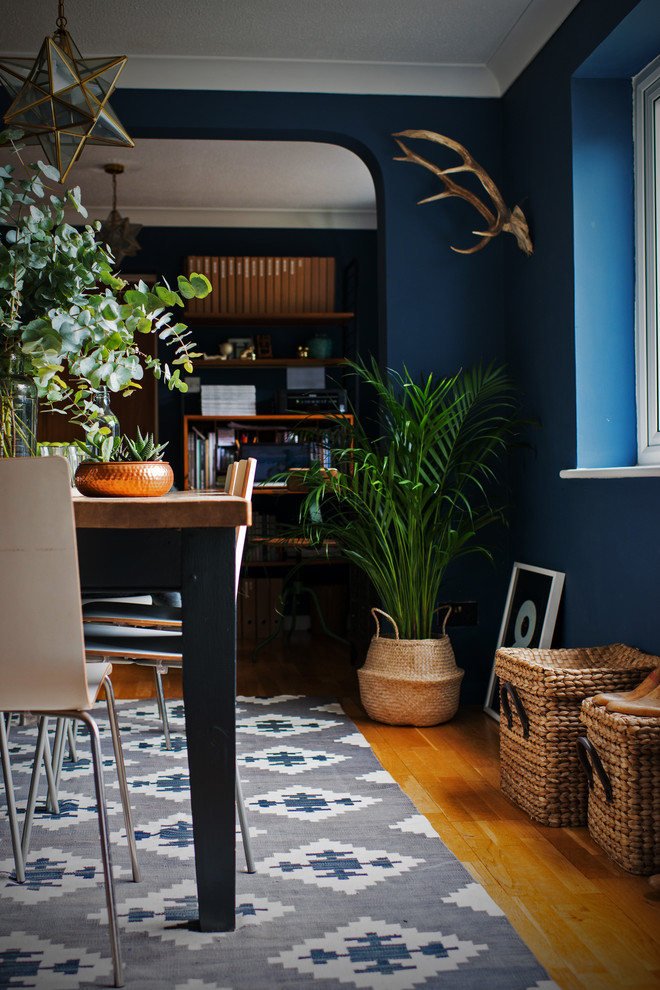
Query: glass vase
19, 404
106, 417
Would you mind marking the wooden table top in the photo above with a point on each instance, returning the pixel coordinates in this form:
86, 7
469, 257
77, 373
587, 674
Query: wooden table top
178, 510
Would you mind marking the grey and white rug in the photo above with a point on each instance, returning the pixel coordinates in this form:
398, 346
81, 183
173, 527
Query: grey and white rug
353, 887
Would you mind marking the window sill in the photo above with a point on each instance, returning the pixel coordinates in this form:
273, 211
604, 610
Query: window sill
634, 471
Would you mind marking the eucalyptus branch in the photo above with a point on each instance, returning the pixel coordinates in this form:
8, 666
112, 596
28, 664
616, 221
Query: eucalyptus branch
63, 310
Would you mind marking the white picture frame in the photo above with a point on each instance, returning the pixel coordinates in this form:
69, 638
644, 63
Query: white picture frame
530, 614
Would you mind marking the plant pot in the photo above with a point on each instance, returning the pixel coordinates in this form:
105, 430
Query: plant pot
124, 478
409, 681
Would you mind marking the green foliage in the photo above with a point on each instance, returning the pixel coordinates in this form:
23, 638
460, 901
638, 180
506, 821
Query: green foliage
101, 447
144, 448
61, 306
403, 507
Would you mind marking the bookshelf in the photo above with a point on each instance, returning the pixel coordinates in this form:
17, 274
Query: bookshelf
289, 317
286, 334
289, 296
278, 441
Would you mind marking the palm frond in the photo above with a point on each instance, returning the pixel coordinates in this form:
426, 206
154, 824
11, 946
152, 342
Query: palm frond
406, 504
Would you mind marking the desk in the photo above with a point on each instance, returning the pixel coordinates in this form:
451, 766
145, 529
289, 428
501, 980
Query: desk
185, 541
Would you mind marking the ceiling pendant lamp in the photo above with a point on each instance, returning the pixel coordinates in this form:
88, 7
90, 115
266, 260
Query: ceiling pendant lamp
116, 231
61, 99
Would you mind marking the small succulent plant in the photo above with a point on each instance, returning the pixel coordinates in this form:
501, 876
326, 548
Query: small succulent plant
143, 448
103, 448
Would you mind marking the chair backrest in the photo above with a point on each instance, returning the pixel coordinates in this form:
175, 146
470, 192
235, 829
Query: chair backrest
42, 656
229, 477
242, 483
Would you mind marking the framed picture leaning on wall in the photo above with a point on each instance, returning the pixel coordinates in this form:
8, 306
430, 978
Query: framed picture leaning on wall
530, 613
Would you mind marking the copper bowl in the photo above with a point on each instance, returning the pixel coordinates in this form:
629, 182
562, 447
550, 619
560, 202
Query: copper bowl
123, 479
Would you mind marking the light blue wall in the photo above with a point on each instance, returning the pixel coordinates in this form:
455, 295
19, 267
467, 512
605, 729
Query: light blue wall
604, 272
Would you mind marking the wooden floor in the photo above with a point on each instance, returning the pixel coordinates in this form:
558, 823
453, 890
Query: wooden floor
588, 922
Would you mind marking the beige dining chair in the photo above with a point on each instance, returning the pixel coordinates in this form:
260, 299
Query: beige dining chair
150, 635
43, 669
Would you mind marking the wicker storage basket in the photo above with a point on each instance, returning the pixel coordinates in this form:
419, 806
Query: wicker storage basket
409, 681
621, 755
541, 692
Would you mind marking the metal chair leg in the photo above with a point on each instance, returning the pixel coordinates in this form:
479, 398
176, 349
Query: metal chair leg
160, 695
11, 803
56, 762
121, 774
71, 735
42, 753
104, 834
245, 828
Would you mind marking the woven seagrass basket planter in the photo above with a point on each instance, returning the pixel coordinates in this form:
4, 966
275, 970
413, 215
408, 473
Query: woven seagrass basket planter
621, 756
540, 696
409, 681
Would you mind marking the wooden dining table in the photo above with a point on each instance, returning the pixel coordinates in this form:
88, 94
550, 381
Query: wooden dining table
184, 541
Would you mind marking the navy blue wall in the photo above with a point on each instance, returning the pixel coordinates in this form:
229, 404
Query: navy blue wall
429, 312
435, 310
604, 534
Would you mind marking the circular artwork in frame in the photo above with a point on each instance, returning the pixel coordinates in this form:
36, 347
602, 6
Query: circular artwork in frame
529, 617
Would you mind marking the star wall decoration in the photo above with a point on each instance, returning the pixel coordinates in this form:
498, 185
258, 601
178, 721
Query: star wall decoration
61, 99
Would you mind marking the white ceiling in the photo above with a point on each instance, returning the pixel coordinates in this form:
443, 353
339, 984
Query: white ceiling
411, 47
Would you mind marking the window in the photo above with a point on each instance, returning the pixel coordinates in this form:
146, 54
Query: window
647, 250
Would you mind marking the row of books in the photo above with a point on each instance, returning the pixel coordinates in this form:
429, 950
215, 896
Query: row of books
210, 454
263, 284
257, 607
229, 400
209, 457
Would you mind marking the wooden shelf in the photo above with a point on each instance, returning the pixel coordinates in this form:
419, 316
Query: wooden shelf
267, 319
290, 541
264, 363
266, 421
291, 562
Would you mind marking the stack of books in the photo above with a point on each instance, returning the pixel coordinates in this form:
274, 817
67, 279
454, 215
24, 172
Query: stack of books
229, 400
263, 284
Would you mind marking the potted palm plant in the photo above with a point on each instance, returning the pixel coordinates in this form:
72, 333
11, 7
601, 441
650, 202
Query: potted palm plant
402, 507
68, 324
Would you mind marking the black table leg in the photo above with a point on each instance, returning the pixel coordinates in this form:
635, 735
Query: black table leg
209, 690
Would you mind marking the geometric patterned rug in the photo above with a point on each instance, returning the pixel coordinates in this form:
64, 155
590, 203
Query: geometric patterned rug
353, 887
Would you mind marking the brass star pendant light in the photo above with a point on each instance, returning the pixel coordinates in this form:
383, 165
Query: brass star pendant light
116, 231
61, 99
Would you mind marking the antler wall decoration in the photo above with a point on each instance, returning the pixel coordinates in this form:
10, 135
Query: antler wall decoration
503, 219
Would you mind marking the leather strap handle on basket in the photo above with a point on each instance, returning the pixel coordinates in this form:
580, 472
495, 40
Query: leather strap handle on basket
591, 761
507, 690
373, 612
